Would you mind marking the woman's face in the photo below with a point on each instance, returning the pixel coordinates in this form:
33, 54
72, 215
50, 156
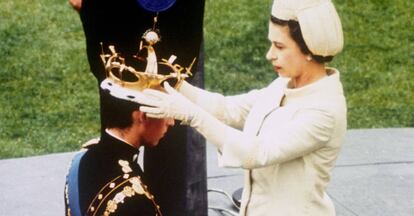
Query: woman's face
284, 53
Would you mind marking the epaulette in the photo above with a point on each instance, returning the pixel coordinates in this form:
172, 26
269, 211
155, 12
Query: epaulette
90, 143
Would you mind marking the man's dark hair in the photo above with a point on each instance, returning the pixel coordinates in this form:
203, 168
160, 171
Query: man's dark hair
296, 34
118, 112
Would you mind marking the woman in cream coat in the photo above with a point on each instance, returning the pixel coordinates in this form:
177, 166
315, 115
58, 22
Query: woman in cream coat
287, 135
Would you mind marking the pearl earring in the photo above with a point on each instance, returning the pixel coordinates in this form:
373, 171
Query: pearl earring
309, 58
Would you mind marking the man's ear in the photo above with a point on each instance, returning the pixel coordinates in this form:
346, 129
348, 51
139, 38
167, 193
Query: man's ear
139, 116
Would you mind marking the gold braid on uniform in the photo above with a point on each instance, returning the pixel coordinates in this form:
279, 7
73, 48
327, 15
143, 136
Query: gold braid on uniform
67, 200
131, 186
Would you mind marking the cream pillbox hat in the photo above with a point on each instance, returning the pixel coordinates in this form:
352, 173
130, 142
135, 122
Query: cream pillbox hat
319, 22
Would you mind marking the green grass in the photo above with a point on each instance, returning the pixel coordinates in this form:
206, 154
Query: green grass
48, 97
49, 101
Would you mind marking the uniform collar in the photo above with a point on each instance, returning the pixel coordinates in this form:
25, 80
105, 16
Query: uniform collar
118, 147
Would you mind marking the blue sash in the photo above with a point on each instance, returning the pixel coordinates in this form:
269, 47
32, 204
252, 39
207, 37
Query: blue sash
73, 185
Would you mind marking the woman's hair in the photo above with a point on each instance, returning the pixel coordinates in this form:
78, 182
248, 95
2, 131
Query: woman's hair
296, 34
117, 112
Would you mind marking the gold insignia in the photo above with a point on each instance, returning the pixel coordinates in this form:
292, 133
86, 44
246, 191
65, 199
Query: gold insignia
125, 166
111, 206
135, 180
126, 169
128, 191
123, 163
138, 189
137, 185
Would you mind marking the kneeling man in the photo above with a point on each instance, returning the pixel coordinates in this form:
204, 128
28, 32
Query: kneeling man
106, 178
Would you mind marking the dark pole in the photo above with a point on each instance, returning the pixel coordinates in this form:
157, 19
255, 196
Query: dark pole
176, 169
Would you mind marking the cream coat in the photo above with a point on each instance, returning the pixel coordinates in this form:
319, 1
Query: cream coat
288, 151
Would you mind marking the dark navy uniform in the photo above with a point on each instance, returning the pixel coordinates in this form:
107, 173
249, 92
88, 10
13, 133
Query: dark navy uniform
106, 171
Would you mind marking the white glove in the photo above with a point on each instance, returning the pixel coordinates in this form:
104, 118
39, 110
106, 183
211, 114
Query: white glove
174, 105
168, 105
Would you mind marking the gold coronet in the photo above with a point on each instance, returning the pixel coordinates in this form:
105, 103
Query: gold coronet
117, 70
